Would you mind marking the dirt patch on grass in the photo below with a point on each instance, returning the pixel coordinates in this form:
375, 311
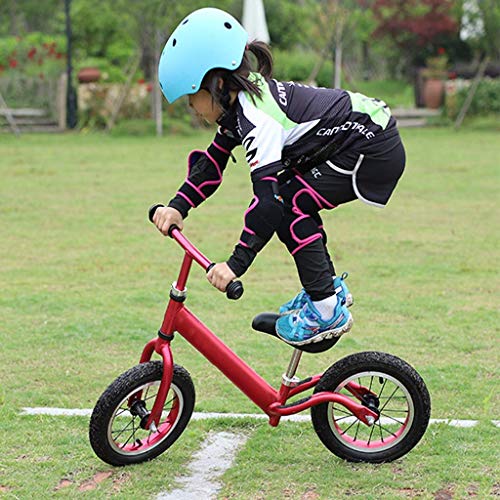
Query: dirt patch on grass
410, 492
63, 483
444, 493
92, 483
310, 494
120, 480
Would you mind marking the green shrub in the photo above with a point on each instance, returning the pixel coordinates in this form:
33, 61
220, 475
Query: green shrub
486, 100
297, 65
395, 93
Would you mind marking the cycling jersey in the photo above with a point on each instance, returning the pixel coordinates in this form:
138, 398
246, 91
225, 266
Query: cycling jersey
291, 127
295, 125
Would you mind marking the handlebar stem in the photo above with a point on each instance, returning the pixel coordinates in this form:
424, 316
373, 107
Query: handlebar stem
190, 249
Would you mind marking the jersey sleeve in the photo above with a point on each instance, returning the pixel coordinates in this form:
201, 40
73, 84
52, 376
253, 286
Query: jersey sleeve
205, 170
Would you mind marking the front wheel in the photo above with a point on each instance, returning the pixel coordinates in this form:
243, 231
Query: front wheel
115, 432
387, 385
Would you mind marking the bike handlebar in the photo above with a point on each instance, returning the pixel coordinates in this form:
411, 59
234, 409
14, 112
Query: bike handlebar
233, 291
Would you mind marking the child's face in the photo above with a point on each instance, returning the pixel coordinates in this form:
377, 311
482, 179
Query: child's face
204, 106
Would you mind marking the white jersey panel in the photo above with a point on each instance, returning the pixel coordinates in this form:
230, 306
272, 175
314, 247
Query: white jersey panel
298, 131
264, 143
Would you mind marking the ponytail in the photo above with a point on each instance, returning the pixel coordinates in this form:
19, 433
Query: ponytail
264, 58
239, 78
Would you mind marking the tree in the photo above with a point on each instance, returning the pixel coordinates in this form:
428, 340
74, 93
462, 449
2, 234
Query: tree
289, 22
18, 17
339, 23
484, 16
417, 27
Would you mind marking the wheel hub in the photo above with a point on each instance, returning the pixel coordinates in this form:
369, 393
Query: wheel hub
138, 409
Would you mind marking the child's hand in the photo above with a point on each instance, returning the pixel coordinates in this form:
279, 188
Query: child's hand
220, 276
164, 217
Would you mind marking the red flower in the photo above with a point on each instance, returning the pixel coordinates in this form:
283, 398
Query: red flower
59, 55
149, 87
31, 53
141, 81
12, 63
441, 51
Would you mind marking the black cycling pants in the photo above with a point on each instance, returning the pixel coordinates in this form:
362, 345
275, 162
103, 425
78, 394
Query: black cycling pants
325, 187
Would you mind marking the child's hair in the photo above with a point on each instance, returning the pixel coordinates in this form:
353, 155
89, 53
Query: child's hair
238, 79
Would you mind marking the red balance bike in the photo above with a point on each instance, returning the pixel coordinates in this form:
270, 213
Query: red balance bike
367, 407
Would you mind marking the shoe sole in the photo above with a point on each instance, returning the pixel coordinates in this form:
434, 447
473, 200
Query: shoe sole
328, 334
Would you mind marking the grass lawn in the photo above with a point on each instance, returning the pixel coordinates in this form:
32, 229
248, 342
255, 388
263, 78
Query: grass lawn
85, 278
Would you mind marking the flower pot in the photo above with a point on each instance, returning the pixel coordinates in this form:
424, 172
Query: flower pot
433, 93
88, 75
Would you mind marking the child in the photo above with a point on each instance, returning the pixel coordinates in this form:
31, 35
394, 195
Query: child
308, 149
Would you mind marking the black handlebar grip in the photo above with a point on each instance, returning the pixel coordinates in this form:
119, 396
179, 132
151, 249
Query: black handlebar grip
152, 210
234, 290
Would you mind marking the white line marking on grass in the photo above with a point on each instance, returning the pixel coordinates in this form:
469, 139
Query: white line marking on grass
213, 415
75, 412
216, 455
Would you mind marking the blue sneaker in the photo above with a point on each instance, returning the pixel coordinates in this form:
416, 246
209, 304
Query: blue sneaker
295, 330
294, 304
299, 300
342, 291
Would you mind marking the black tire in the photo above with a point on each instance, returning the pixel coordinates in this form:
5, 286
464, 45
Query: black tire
121, 441
401, 425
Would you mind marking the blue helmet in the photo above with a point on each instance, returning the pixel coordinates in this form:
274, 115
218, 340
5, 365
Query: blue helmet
206, 39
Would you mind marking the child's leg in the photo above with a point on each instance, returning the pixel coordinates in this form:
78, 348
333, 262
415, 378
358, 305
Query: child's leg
303, 239
322, 316
318, 220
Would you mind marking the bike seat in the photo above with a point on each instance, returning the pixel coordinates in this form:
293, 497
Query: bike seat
266, 323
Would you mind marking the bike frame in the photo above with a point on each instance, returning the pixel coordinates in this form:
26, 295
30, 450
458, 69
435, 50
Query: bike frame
273, 402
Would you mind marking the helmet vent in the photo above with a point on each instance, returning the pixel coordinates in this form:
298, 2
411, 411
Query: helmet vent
227, 25
185, 21
174, 43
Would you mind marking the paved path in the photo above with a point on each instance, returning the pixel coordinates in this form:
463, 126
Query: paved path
216, 455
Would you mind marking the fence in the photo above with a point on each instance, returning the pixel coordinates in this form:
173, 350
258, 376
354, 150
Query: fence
33, 103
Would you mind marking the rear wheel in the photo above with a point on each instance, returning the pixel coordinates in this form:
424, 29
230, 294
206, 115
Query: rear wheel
115, 432
392, 389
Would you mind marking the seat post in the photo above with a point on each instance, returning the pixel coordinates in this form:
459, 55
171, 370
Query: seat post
289, 379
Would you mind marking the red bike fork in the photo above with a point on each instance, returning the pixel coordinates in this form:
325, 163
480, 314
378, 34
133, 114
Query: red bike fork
162, 344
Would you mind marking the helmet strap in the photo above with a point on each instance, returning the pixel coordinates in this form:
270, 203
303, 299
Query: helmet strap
225, 97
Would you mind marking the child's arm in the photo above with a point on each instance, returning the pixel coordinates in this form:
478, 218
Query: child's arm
205, 169
262, 219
